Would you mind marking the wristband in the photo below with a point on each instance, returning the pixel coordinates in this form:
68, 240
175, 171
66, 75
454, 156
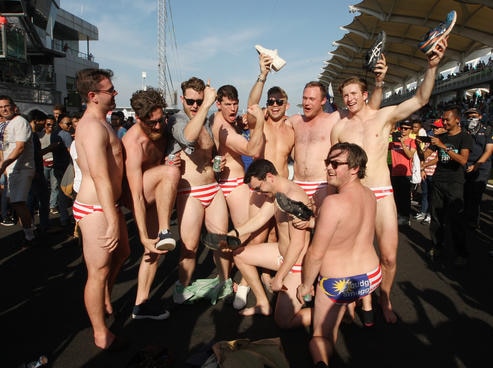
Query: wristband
260, 79
379, 84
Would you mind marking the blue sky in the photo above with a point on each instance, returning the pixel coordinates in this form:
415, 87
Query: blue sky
214, 40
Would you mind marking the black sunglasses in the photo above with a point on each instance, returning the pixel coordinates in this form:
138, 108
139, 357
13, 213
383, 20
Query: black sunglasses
191, 101
152, 123
334, 164
272, 101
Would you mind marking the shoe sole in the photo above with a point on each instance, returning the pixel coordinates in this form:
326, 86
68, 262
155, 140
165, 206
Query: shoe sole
213, 241
430, 45
165, 245
375, 52
295, 208
160, 317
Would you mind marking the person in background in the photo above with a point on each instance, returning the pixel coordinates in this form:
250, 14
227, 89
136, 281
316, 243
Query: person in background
18, 163
117, 120
478, 167
428, 167
402, 149
39, 194
447, 194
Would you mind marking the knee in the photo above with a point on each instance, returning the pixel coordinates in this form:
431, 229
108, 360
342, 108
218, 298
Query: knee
187, 253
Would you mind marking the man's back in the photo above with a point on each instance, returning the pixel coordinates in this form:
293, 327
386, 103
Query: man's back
352, 213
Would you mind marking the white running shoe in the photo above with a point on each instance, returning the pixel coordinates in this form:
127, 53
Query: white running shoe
241, 296
277, 61
420, 216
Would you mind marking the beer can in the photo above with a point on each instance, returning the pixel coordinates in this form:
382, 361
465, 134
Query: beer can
307, 298
170, 159
216, 165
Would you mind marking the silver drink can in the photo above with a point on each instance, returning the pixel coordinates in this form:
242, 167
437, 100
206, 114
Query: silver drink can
216, 165
170, 159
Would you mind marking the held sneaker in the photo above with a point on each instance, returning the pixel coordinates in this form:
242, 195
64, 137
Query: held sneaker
435, 35
420, 216
295, 208
375, 52
277, 61
166, 241
147, 310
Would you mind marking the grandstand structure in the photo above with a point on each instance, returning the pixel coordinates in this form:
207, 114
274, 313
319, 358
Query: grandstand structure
465, 72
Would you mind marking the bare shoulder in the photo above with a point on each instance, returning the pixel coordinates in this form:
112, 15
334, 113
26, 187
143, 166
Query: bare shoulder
294, 120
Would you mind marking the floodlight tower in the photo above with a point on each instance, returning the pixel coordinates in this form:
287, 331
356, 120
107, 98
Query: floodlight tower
161, 45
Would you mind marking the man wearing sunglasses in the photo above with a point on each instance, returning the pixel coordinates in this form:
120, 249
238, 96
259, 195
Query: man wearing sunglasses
199, 196
370, 128
341, 259
152, 178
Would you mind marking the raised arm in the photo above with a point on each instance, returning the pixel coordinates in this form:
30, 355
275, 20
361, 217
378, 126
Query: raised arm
423, 93
194, 126
256, 91
377, 95
256, 121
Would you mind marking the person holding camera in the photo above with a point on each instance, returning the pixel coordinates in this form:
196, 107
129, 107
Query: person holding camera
402, 149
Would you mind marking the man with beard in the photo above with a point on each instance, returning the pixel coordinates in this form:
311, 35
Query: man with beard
105, 238
370, 127
152, 181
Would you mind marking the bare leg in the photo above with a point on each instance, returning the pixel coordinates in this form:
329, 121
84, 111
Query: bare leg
98, 262
327, 318
387, 239
247, 259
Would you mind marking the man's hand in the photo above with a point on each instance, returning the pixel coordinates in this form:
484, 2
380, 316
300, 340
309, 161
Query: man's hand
255, 115
276, 284
437, 54
265, 63
209, 95
380, 69
303, 290
111, 238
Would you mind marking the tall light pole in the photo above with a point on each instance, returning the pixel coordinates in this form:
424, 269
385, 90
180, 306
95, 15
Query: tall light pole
144, 76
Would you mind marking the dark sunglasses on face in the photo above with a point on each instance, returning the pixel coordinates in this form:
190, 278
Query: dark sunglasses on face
405, 128
49, 125
272, 101
191, 101
334, 164
152, 123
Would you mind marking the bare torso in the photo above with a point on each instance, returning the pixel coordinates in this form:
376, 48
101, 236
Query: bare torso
137, 141
88, 130
372, 134
225, 136
279, 142
312, 144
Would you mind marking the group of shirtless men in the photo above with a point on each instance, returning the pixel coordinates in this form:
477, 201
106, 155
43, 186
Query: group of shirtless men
339, 159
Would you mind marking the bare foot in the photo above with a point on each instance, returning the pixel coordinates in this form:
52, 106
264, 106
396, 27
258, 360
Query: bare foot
388, 313
104, 342
258, 309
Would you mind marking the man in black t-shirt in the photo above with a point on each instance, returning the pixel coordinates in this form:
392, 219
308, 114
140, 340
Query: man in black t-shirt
447, 194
